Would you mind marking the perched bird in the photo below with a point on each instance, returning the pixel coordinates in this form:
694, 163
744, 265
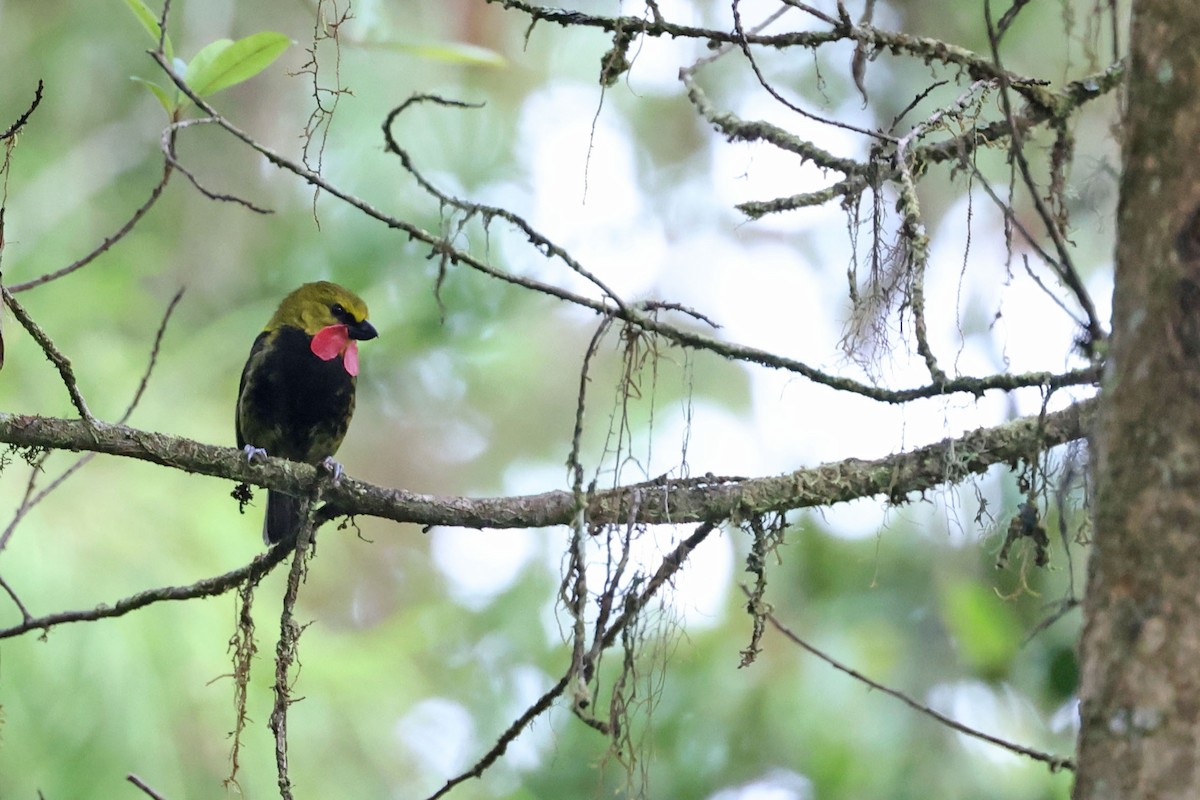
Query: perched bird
297, 391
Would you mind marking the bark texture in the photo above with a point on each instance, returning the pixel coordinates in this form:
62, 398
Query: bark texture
1140, 651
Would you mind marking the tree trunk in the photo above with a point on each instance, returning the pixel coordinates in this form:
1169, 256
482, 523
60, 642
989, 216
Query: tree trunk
1140, 651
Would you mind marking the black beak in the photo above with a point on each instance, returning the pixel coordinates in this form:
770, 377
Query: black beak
362, 330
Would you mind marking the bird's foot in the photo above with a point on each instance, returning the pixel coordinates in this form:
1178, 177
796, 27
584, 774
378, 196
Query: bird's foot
253, 452
333, 467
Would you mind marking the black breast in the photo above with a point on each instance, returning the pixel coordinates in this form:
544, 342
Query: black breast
303, 404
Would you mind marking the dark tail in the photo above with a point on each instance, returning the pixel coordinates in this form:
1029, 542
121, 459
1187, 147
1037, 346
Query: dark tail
282, 522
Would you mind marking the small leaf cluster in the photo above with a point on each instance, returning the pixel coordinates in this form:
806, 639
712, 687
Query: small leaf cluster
219, 64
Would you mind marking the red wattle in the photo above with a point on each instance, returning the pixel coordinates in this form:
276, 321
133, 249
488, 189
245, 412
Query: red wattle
329, 342
350, 359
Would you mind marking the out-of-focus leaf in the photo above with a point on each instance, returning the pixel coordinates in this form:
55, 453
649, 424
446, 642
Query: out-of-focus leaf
236, 62
150, 23
450, 53
983, 626
157, 91
144, 16
1062, 673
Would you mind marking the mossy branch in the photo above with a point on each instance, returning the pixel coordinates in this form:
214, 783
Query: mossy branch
702, 499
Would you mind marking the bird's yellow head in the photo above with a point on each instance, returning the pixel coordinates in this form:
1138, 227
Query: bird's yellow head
317, 305
332, 315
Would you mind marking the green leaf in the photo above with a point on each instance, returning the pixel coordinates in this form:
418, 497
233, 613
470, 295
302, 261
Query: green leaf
985, 629
145, 16
199, 68
236, 62
452, 53
159, 92
150, 23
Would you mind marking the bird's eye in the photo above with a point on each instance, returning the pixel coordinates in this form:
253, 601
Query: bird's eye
339, 313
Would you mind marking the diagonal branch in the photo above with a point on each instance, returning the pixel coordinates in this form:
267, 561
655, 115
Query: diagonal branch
261, 565
109, 240
1055, 762
53, 354
30, 499
11, 131
670, 564
1067, 272
629, 313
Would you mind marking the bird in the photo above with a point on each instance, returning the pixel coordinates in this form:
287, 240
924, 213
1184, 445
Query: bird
296, 395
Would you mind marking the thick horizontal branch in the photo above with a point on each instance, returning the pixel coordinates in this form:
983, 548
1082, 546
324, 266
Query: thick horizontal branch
928, 49
701, 499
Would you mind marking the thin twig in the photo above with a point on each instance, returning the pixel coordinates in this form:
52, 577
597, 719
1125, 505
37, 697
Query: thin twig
509, 735
771, 90
168, 148
60, 361
954, 149
244, 648
1055, 762
11, 131
25, 615
1014, 221
540, 242
914, 243
29, 500
108, 242
1066, 264
162, 25
139, 783
916, 101
320, 120
154, 348
670, 565
1010, 16
805, 7
574, 588
684, 337
285, 656
209, 587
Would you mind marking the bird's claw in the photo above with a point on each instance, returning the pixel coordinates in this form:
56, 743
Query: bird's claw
253, 452
334, 468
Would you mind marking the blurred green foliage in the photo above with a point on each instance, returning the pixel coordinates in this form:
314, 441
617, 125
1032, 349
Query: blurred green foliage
407, 673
